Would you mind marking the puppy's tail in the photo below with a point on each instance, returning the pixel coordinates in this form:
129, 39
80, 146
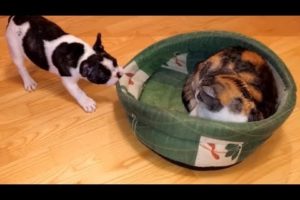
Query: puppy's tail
9, 18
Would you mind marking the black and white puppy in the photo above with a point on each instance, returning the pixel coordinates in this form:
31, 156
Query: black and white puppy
52, 49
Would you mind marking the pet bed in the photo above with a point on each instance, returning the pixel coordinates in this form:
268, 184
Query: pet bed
150, 92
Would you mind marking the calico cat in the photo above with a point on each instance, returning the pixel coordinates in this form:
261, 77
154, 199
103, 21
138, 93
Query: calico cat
235, 85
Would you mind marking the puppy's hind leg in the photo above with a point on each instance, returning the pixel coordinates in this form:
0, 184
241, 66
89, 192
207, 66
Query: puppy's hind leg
88, 104
18, 59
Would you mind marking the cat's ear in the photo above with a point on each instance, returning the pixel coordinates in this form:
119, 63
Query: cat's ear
98, 47
210, 91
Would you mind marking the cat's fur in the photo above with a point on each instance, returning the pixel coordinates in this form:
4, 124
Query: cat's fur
234, 85
52, 49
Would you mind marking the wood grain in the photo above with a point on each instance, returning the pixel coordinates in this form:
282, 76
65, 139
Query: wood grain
45, 137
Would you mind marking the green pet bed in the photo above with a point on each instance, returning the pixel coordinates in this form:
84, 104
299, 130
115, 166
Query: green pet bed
150, 92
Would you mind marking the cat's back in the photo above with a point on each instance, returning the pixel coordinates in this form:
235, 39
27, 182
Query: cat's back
235, 59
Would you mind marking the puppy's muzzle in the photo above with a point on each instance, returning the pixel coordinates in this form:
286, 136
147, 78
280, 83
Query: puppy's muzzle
120, 72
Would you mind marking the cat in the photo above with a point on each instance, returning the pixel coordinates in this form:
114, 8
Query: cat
233, 85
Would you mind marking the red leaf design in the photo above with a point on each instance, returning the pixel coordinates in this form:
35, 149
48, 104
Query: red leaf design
178, 62
130, 82
213, 151
129, 74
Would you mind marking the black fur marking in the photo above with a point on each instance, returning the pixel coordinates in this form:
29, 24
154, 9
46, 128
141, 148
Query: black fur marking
268, 88
211, 103
224, 61
22, 19
244, 66
236, 105
241, 86
67, 55
204, 68
233, 54
255, 115
40, 29
222, 71
225, 70
234, 51
256, 83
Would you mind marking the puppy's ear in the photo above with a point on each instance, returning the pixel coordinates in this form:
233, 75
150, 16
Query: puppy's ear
98, 47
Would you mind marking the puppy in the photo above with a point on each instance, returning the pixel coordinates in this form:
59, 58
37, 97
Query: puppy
49, 47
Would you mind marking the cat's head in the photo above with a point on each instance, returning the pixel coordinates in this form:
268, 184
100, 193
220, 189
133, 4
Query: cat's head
226, 98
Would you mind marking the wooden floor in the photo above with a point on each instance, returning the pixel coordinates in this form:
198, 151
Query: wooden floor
45, 137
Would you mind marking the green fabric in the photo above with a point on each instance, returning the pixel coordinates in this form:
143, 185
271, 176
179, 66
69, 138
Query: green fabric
163, 90
167, 145
159, 118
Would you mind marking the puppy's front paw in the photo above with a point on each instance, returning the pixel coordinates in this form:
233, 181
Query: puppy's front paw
30, 84
88, 104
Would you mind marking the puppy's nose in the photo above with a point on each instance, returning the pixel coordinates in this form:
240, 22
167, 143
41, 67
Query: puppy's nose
119, 75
